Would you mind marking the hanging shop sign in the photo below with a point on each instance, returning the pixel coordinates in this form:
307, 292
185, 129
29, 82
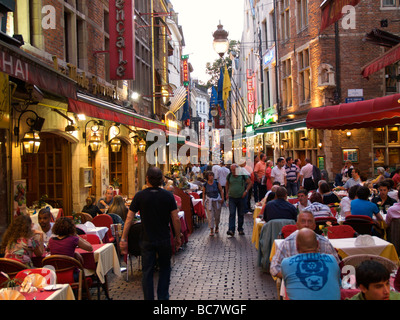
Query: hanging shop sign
122, 39
185, 67
250, 92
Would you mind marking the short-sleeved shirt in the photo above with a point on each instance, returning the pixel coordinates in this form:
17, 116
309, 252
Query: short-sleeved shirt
311, 276
364, 207
212, 190
155, 206
279, 174
237, 185
22, 250
291, 172
101, 206
65, 246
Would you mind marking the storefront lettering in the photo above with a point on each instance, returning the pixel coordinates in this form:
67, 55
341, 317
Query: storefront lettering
14, 66
250, 92
121, 40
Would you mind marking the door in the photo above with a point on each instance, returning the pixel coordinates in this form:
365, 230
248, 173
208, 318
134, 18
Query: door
48, 173
119, 168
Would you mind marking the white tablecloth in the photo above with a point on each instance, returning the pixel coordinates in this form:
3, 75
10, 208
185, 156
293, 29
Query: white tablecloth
98, 231
65, 293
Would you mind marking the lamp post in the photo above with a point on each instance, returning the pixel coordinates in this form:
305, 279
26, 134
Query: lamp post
221, 42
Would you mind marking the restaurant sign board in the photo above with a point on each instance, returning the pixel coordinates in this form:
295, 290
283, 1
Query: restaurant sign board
122, 39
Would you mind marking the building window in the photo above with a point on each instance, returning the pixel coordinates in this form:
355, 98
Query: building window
285, 20
389, 3
391, 73
302, 14
304, 75
287, 83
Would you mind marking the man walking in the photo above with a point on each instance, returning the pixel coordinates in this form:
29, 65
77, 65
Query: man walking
237, 187
157, 208
292, 177
278, 173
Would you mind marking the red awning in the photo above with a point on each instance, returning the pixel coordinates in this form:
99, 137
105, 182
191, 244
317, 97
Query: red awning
386, 59
363, 114
119, 116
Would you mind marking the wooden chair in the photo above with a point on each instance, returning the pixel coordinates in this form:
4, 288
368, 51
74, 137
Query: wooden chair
64, 267
84, 217
10, 267
393, 234
356, 259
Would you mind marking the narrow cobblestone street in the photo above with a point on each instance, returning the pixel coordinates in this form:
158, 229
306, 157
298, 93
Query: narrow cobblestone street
209, 268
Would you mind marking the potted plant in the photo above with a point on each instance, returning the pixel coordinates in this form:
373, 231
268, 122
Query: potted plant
116, 185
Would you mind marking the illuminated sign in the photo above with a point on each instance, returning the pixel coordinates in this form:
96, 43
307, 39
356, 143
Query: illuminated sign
250, 92
122, 39
185, 72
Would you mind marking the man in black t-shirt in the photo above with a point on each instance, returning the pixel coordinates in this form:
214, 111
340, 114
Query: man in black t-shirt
157, 209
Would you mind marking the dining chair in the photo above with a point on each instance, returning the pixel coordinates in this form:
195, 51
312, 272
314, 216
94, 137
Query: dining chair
287, 230
356, 259
322, 221
104, 220
393, 234
10, 267
134, 236
84, 217
49, 274
341, 231
65, 267
91, 238
361, 224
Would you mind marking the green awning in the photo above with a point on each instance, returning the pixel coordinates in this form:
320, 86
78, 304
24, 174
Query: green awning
292, 125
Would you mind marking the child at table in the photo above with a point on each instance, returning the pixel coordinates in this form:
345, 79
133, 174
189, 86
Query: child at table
66, 240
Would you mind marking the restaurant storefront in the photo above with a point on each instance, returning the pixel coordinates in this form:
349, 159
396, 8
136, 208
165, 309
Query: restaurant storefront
365, 132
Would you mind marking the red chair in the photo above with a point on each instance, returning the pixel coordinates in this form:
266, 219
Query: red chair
104, 220
91, 238
322, 221
360, 223
341, 231
64, 267
10, 267
288, 230
195, 195
48, 274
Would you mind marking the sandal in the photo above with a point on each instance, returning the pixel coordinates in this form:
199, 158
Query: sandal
216, 230
212, 233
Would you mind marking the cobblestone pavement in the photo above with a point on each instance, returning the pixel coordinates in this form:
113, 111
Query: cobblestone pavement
209, 268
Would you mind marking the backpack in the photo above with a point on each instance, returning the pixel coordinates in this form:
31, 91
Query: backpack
316, 175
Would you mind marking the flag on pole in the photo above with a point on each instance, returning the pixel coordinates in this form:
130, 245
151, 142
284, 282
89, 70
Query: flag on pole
186, 112
226, 87
220, 87
213, 101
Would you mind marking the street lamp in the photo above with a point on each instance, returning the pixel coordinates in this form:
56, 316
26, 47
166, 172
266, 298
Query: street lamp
221, 42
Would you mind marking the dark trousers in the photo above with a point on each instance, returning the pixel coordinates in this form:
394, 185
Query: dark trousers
256, 191
292, 188
152, 253
236, 205
309, 184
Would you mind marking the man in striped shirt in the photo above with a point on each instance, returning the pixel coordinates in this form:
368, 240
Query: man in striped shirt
292, 177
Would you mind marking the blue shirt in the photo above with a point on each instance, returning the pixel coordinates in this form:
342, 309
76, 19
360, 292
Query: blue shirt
311, 276
364, 208
279, 209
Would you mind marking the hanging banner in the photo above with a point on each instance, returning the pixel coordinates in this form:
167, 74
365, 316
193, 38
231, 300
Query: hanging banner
122, 39
331, 11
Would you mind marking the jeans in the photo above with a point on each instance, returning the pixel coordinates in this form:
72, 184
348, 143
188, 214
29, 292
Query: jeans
153, 252
236, 204
255, 191
292, 188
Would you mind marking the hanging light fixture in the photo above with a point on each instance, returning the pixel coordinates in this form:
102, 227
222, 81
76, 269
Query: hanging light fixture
115, 143
221, 42
95, 141
31, 142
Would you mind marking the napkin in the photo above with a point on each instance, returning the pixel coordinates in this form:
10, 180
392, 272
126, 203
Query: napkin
89, 225
32, 282
10, 294
364, 240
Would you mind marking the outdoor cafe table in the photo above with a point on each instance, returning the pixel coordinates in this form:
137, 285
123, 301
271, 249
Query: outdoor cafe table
258, 224
346, 247
62, 292
103, 259
89, 228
